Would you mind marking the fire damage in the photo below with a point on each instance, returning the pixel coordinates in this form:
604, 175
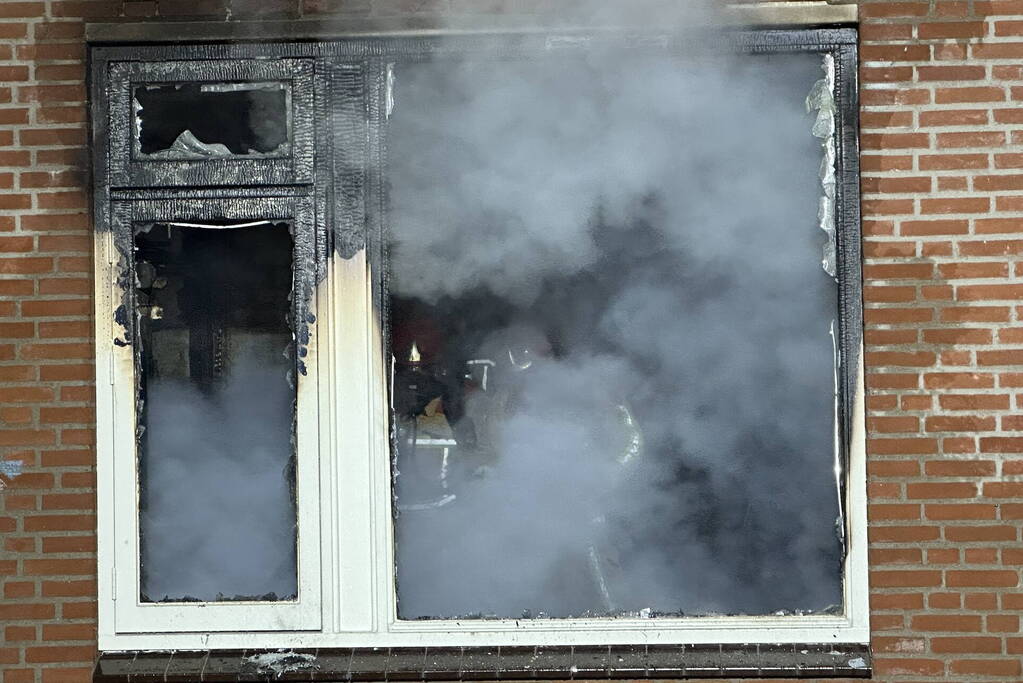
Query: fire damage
598, 408
217, 364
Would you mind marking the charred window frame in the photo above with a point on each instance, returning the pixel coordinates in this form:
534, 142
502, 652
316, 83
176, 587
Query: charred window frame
329, 182
127, 314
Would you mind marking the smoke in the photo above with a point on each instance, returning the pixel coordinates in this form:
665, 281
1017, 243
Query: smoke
218, 519
655, 219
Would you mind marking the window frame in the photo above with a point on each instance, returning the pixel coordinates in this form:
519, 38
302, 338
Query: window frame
347, 187
119, 406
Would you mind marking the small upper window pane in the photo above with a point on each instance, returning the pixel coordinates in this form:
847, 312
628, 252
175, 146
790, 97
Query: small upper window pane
201, 120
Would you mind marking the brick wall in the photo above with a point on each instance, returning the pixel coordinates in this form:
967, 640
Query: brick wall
942, 163
943, 234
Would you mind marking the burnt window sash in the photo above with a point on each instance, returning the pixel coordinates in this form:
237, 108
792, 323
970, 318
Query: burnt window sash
128, 217
290, 163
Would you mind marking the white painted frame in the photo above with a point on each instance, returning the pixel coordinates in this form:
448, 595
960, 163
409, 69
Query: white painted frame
121, 609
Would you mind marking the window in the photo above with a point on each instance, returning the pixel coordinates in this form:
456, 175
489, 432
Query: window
519, 341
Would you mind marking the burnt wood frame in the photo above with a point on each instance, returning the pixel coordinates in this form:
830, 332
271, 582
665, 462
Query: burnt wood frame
291, 164
345, 173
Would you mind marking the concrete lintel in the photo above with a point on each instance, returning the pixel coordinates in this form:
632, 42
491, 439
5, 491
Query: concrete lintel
782, 13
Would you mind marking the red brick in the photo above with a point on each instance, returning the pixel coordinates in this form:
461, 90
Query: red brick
987, 667
951, 29
68, 588
1002, 444
969, 270
25, 611
78, 610
67, 675
25, 265
72, 522
945, 622
958, 336
72, 544
895, 556
950, 162
981, 533
886, 141
69, 632
972, 94
887, 162
896, 601
982, 578
938, 227
879, 294
959, 511
1002, 357
950, 205
966, 644
966, 140
889, 511
59, 653
959, 468
908, 666
988, 292
13, 9
941, 490
981, 601
895, 185
903, 534
951, 73
905, 578
900, 358
1003, 489
897, 53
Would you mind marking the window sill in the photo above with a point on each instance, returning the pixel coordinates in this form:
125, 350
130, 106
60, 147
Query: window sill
480, 663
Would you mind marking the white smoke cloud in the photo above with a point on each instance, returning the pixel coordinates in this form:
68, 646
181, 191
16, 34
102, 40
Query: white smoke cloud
659, 217
218, 520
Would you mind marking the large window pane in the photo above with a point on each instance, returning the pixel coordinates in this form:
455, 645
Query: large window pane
216, 373
611, 331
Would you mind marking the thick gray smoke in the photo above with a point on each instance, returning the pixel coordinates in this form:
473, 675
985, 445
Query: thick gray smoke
218, 520
656, 220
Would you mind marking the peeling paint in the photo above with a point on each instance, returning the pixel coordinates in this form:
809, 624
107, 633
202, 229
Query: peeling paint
822, 100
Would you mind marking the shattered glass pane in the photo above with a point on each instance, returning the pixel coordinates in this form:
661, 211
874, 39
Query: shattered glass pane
200, 120
613, 373
216, 412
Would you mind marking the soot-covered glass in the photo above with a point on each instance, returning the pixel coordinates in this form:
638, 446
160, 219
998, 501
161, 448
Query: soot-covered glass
216, 409
611, 334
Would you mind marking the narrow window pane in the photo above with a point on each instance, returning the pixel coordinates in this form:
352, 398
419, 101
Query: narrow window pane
216, 412
611, 333
200, 120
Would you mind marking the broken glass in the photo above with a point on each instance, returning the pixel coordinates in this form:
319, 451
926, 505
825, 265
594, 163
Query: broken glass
216, 412
610, 339
203, 120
